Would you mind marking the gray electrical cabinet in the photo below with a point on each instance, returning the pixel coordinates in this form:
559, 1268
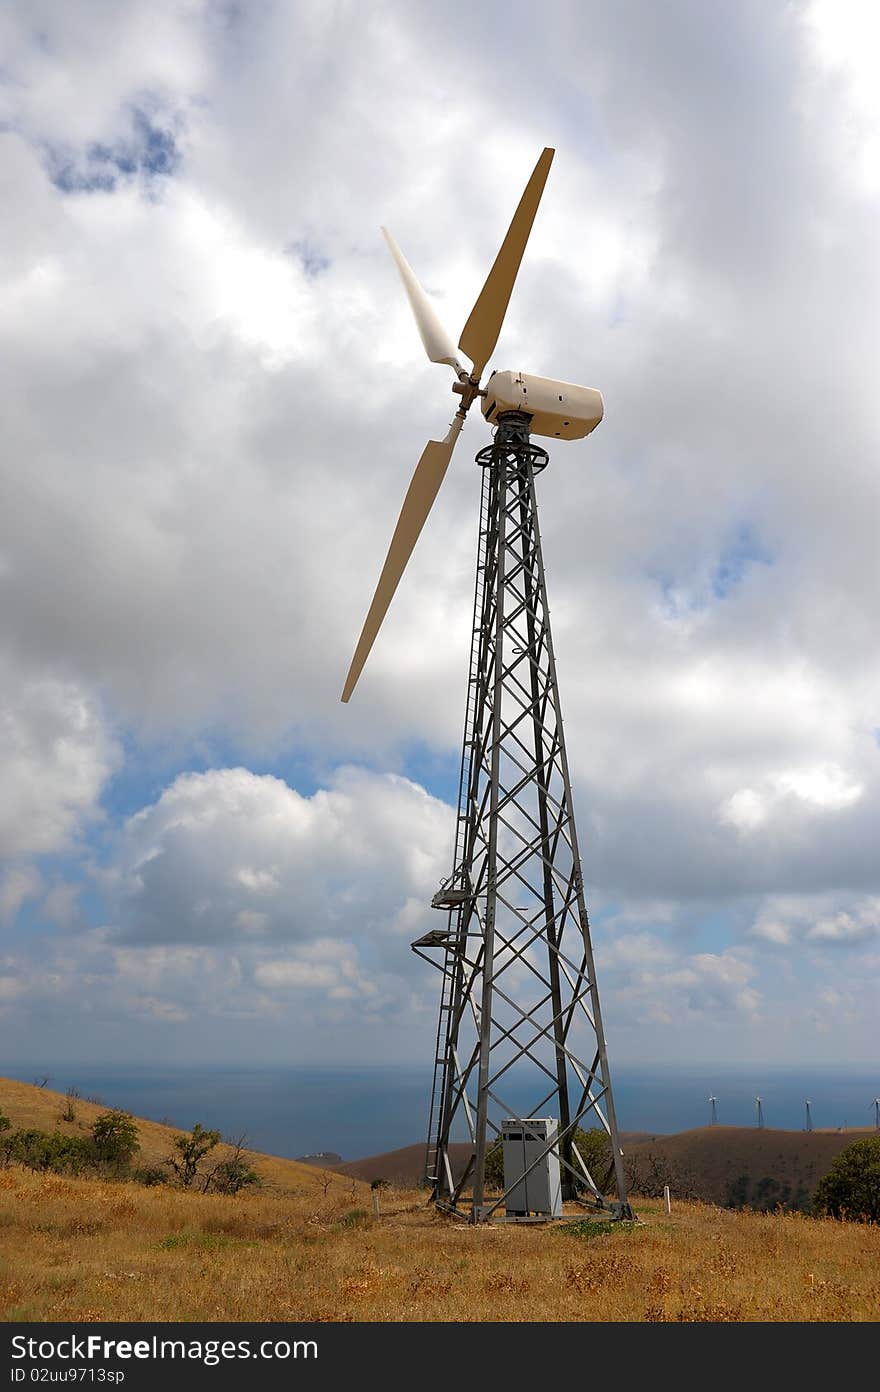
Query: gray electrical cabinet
536, 1190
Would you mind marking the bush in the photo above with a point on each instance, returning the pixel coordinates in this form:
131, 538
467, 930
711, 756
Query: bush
191, 1150
69, 1113
115, 1139
231, 1176
648, 1174
49, 1151
112, 1143
851, 1188
31, 1147
150, 1175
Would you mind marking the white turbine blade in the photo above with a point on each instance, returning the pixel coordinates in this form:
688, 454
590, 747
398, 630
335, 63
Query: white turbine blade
424, 486
438, 345
480, 333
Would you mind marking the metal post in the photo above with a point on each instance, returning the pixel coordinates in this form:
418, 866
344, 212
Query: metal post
616, 1150
485, 1017
546, 850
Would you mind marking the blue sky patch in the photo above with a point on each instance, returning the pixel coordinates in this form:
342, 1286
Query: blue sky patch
694, 591
311, 258
150, 150
745, 550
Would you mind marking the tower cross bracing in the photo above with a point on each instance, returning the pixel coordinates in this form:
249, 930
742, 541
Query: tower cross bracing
520, 1030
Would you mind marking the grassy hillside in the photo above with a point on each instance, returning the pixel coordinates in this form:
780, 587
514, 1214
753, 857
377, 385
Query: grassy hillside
28, 1106
306, 1247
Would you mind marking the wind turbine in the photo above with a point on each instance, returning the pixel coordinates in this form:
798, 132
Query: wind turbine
760, 1111
876, 1105
712, 1101
519, 1004
809, 1125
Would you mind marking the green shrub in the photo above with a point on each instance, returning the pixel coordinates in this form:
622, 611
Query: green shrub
150, 1175
851, 1188
50, 1151
71, 1096
191, 1150
115, 1139
5, 1139
231, 1176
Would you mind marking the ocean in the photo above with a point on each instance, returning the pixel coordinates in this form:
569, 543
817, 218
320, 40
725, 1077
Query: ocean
362, 1111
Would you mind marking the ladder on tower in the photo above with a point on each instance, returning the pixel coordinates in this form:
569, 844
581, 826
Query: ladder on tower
454, 894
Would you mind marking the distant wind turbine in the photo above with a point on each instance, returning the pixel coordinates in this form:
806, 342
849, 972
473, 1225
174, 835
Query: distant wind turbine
760, 1111
712, 1101
876, 1105
809, 1125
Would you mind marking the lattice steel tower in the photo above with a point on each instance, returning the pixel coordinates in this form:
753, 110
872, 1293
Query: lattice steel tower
520, 1028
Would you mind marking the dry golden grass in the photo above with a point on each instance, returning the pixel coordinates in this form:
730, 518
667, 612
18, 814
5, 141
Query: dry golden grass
79, 1249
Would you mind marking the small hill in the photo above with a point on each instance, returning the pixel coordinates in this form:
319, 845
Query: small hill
407, 1165
741, 1165
29, 1106
736, 1166
404, 1167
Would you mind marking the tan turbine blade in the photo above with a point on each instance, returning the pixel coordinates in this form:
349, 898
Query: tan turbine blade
480, 333
424, 485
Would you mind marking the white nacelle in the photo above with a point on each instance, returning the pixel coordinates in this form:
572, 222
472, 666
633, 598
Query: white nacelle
558, 409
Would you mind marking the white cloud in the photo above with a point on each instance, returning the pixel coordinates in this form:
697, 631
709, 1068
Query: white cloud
745, 810
829, 920
57, 753
230, 853
333, 970
846, 34
771, 930
824, 789
654, 983
845, 929
641, 951
17, 885
78, 67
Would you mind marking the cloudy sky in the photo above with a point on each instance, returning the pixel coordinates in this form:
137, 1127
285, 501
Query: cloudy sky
212, 401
